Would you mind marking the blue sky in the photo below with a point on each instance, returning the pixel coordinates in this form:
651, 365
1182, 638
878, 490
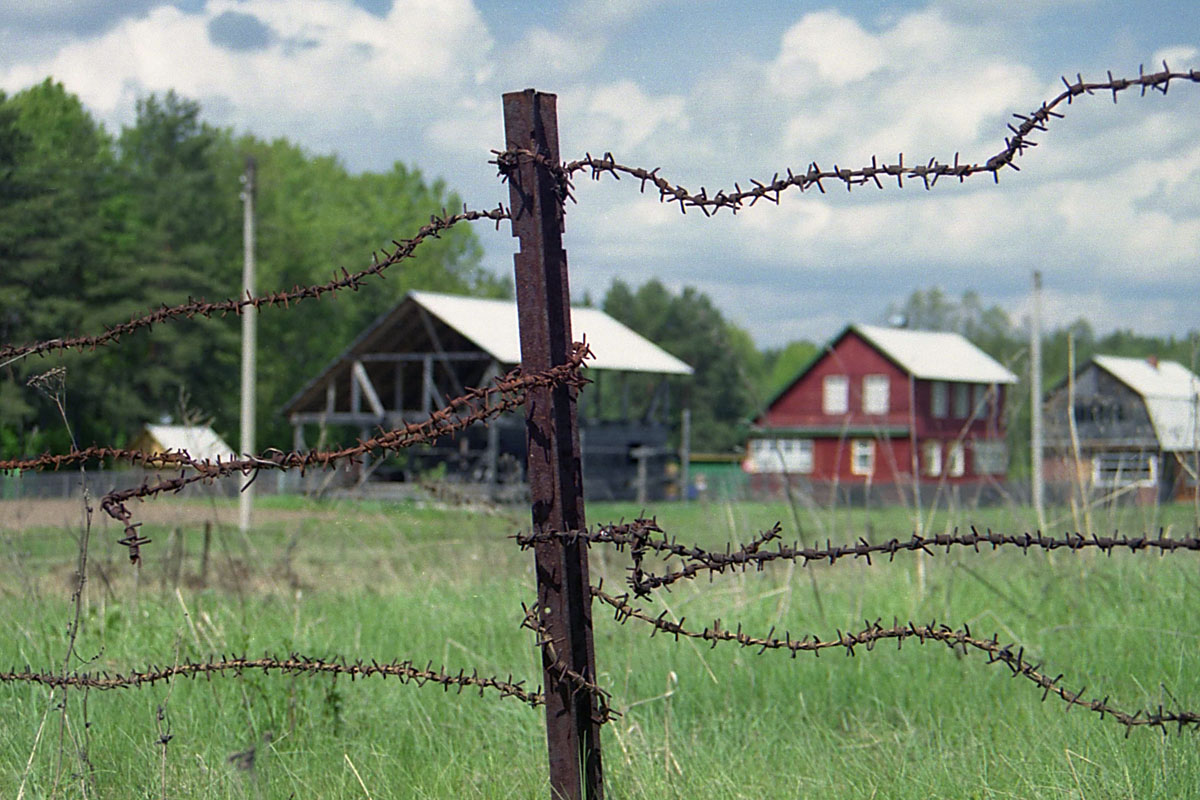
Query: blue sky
1108, 207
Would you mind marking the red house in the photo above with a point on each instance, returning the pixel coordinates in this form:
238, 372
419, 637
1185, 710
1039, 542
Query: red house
879, 405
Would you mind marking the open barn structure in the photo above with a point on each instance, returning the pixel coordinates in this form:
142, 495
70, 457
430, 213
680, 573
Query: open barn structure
432, 346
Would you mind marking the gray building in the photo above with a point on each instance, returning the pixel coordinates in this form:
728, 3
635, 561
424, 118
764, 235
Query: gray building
1137, 430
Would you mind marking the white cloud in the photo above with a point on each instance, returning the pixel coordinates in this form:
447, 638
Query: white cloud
827, 46
1107, 206
330, 65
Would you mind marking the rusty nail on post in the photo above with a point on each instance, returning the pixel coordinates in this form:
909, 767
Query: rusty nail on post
554, 469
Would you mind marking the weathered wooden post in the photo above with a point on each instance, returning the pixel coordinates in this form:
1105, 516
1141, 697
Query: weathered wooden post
554, 465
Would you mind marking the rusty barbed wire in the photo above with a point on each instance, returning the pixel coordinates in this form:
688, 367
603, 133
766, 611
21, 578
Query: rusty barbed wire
404, 249
638, 537
874, 632
565, 674
928, 173
294, 664
475, 405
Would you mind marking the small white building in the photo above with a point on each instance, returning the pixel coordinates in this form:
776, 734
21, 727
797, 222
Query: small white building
200, 442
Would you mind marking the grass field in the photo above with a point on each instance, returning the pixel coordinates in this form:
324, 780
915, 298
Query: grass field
445, 585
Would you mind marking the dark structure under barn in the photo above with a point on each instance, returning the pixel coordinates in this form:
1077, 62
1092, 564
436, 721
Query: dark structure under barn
433, 346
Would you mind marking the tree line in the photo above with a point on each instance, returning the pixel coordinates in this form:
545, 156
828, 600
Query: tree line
97, 227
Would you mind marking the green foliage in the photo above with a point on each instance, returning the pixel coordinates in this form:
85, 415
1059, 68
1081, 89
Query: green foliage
723, 393
314, 218
96, 230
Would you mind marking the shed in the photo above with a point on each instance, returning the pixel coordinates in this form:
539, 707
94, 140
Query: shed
200, 442
880, 403
1136, 424
431, 346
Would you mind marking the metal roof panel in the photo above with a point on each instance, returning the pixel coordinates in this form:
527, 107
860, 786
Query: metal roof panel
492, 325
936, 355
1171, 393
200, 442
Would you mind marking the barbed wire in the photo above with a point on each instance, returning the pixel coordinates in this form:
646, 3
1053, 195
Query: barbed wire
404, 249
639, 537
565, 674
874, 632
294, 664
480, 404
928, 173
476, 405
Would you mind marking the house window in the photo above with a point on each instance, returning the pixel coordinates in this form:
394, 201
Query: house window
875, 394
837, 394
981, 401
781, 455
990, 457
862, 456
1124, 469
933, 458
939, 399
962, 400
956, 460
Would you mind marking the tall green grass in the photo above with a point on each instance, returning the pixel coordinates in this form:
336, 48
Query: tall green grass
446, 585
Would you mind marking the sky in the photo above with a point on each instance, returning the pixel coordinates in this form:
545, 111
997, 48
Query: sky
1107, 207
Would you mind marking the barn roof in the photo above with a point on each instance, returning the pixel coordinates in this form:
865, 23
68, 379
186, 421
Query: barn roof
429, 322
935, 355
492, 326
1171, 393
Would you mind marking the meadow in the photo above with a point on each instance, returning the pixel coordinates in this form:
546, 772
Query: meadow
428, 582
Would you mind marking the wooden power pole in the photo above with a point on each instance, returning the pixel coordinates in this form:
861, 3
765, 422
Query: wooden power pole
249, 336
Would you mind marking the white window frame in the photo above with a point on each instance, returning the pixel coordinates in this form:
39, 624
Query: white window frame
956, 460
835, 397
793, 456
962, 400
876, 394
1124, 468
931, 455
862, 457
939, 399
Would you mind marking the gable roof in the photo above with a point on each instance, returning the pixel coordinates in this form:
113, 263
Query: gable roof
415, 324
1171, 393
928, 355
492, 326
935, 355
200, 442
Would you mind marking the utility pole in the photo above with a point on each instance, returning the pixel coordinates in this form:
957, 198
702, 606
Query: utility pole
249, 335
1035, 403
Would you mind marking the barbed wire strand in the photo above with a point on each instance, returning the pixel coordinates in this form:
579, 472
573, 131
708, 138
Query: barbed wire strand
563, 672
404, 249
874, 632
294, 664
480, 404
644, 536
928, 172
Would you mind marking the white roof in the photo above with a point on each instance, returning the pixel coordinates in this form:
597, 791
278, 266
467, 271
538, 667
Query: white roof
200, 441
1171, 392
936, 356
492, 325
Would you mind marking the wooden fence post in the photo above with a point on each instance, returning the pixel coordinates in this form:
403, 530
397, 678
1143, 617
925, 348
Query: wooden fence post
554, 465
